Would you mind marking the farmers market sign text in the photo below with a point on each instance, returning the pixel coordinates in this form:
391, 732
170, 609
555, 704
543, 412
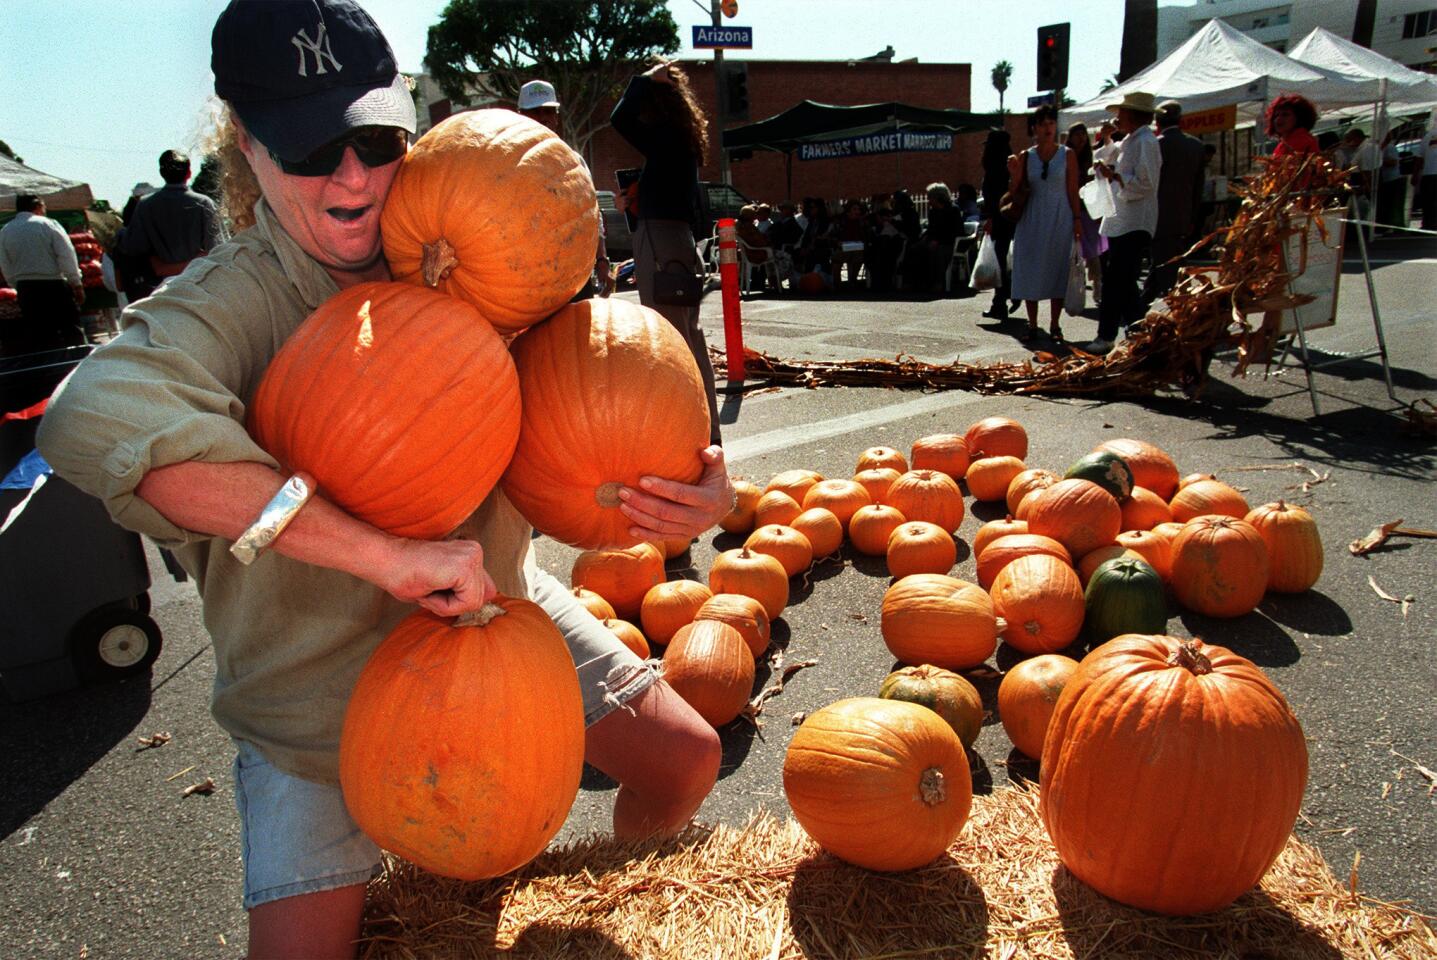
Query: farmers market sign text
875, 143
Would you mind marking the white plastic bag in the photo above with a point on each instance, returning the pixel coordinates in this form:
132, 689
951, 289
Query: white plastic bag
1076, 300
986, 273
1097, 196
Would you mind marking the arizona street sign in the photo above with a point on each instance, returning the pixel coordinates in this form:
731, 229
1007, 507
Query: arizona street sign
711, 38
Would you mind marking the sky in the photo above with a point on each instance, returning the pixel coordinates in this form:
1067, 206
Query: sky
96, 90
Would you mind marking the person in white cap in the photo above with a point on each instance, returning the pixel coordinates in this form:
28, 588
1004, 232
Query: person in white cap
538, 101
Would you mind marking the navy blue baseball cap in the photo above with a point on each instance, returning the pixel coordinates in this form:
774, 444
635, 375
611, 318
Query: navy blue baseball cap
302, 73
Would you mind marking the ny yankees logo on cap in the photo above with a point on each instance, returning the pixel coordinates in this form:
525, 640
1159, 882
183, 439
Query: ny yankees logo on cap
302, 43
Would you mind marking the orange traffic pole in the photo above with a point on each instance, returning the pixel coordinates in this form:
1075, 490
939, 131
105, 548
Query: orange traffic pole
732, 314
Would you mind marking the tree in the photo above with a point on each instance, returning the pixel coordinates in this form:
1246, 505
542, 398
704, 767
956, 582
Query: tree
5, 151
1002, 73
1109, 83
586, 48
1140, 36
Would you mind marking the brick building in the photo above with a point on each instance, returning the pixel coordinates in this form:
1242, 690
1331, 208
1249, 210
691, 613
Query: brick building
776, 85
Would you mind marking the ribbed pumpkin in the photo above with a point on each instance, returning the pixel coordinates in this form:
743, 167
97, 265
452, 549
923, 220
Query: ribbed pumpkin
1123, 596
1093, 559
775, 506
1149, 731
882, 784
1194, 478
740, 518
944, 692
1079, 514
842, 498
785, 544
462, 746
669, 606
920, 547
1220, 566
402, 404
1025, 483
795, 483
1169, 532
1151, 466
989, 478
1294, 549
1025, 506
598, 607
492, 208
944, 452
1207, 497
631, 637
996, 437
871, 527
709, 665
751, 574
1107, 470
821, 527
876, 481
744, 614
621, 577
994, 529
1027, 696
1041, 602
929, 618
1144, 510
1004, 550
1156, 549
611, 394
875, 457
928, 495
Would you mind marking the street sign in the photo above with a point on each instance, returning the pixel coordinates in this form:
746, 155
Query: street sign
1040, 99
729, 38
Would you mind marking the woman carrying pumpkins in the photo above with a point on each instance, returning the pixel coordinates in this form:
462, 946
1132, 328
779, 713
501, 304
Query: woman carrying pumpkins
153, 424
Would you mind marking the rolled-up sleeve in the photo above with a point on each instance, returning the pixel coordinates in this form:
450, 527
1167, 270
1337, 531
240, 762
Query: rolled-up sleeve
167, 390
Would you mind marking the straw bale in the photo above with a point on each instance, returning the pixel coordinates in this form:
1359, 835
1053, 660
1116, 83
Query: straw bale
765, 891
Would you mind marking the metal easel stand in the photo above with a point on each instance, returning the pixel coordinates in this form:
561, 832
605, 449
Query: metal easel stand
1304, 359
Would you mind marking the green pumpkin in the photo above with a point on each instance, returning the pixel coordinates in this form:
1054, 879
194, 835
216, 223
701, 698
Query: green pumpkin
1107, 470
942, 691
1124, 595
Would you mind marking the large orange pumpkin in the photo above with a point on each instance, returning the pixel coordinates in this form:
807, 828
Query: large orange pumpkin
402, 403
1144, 510
1219, 566
822, 528
621, 577
989, 478
598, 607
840, 497
775, 506
1079, 514
493, 209
740, 518
785, 544
1147, 733
920, 547
875, 457
611, 394
871, 527
1041, 602
710, 666
462, 746
996, 437
930, 618
882, 784
670, 605
744, 614
930, 496
1204, 497
995, 529
1294, 549
1151, 466
1155, 548
1004, 550
876, 481
945, 452
751, 574
795, 483
1027, 696
1025, 483
630, 636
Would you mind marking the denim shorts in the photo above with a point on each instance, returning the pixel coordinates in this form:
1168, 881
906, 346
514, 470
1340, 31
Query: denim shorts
297, 835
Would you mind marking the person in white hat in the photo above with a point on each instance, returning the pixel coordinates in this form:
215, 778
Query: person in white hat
538, 101
1134, 174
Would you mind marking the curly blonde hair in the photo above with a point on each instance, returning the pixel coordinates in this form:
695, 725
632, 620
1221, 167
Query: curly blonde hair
239, 188
676, 104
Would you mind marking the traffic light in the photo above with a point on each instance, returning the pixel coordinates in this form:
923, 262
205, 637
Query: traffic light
735, 91
1053, 56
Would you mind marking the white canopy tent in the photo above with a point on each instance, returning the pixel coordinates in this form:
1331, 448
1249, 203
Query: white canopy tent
1401, 89
1221, 66
58, 194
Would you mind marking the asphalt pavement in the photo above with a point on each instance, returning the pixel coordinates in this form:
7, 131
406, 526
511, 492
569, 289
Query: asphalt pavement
102, 856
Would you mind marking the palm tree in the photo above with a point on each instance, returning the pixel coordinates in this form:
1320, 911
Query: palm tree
1109, 84
1002, 73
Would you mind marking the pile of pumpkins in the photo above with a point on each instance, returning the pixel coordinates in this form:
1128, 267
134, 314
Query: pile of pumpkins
1137, 742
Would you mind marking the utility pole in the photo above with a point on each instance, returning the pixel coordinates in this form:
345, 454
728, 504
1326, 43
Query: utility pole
720, 96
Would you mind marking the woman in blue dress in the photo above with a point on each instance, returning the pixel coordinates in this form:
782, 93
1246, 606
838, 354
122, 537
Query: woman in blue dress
1043, 241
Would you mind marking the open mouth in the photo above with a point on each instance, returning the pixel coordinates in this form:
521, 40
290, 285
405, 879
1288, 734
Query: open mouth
348, 214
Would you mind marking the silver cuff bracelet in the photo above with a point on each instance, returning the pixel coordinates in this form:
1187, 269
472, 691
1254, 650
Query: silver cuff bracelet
275, 516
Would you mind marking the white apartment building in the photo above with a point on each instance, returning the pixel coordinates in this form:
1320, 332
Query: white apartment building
1404, 30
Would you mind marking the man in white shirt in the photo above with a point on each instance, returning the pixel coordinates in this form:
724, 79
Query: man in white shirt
38, 260
1134, 175
1426, 177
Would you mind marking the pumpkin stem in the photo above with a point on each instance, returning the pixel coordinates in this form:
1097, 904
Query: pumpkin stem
480, 617
438, 262
930, 786
1189, 655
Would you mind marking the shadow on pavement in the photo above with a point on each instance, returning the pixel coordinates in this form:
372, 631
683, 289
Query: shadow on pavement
47, 744
1252, 635
1309, 612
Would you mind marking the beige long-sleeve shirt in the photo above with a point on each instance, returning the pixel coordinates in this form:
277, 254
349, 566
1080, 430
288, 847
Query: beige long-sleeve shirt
289, 638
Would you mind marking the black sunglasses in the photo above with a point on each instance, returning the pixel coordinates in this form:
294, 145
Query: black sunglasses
374, 146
